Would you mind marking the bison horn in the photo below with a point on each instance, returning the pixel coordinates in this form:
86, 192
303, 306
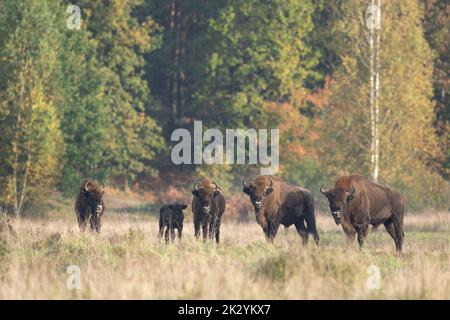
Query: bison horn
217, 187
196, 187
85, 186
324, 191
271, 182
353, 190
244, 183
103, 185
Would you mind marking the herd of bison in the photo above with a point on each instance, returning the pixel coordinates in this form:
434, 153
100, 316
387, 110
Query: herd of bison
355, 203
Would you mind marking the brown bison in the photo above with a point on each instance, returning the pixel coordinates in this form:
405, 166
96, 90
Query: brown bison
277, 202
171, 217
208, 206
89, 205
356, 202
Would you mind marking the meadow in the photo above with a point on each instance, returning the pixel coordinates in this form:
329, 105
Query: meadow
127, 261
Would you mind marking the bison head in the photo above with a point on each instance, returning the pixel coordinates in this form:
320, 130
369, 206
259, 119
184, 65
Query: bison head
205, 191
94, 194
258, 190
177, 208
338, 199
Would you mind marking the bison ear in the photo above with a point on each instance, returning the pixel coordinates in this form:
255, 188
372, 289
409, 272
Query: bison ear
195, 193
216, 193
246, 190
269, 190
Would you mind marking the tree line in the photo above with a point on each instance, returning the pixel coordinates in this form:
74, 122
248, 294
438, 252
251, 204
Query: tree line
102, 101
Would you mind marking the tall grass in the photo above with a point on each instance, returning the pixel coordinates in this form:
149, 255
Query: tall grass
126, 261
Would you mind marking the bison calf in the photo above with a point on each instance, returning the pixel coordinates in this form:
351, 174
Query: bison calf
171, 217
89, 205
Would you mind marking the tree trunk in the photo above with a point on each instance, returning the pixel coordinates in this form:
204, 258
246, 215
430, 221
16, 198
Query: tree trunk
376, 168
372, 89
18, 200
173, 87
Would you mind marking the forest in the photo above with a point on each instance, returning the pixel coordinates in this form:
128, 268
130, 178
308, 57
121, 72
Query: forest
101, 101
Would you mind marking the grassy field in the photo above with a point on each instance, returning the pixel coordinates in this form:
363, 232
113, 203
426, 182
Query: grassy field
126, 261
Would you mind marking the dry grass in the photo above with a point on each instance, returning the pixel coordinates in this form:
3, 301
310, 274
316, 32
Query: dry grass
127, 262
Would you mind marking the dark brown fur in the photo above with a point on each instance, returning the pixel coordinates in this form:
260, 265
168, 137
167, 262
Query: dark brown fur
171, 217
277, 202
356, 202
208, 206
89, 205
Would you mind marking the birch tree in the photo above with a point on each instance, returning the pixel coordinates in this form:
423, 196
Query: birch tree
30, 135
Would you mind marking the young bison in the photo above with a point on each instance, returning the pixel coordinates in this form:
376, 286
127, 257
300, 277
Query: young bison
171, 217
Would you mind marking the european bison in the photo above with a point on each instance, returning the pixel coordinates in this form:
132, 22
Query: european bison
171, 217
208, 206
89, 205
356, 202
277, 202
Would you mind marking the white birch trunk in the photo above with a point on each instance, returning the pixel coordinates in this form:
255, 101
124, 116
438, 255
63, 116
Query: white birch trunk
372, 88
376, 167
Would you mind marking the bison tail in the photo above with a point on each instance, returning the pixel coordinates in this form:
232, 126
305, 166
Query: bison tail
311, 220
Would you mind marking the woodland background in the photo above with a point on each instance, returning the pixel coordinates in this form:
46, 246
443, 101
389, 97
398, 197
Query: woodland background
101, 102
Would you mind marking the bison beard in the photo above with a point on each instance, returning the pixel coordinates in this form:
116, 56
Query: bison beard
356, 202
89, 205
277, 202
208, 206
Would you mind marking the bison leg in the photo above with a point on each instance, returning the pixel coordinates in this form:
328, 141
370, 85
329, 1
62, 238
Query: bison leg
205, 227
98, 223
362, 233
197, 228
172, 233
166, 233
398, 227
161, 227
272, 230
301, 229
349, 233
213, 227
180, 232
92, 221
218, 231
82, 224
389, 225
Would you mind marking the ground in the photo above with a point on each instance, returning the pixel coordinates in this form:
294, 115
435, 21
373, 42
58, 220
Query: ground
126, 261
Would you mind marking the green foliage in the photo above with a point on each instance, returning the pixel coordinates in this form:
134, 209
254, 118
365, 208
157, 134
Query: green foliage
31, 140
111, 129
261, 53
407, 138
102, 101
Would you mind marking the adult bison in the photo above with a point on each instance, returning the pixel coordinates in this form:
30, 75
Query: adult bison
277, 202
356, 202
208, 206
89, 205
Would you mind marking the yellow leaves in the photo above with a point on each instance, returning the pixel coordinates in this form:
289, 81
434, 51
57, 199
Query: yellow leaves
295, 131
